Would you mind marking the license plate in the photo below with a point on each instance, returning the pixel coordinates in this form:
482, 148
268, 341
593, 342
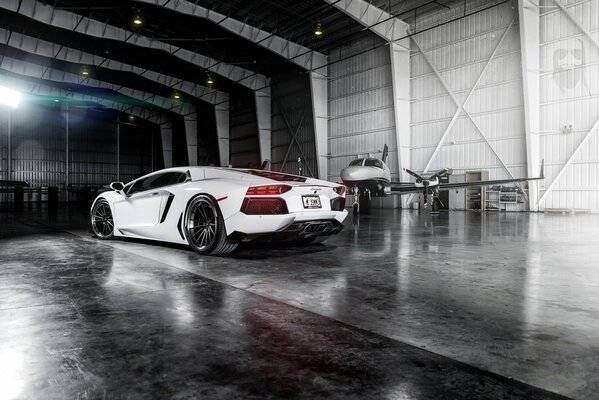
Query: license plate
311, 201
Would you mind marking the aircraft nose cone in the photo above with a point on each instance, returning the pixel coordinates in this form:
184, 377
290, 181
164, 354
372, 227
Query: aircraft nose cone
351, 174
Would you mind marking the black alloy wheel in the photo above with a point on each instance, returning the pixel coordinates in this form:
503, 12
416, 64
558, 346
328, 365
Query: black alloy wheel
102, 221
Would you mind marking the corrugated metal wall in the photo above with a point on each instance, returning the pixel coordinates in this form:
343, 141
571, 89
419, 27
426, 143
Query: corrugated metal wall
570, 103
244, 147
459, 51
92, 148
4, 144
38, 147
292, 104
361, 113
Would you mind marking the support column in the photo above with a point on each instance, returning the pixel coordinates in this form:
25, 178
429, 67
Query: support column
191, 136
9, 152
166, 136
221, 114
118, 148
318, 91
400, 78
528, 13
263, 114
66, 149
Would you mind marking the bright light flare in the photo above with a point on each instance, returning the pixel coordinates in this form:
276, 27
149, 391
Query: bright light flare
10, 97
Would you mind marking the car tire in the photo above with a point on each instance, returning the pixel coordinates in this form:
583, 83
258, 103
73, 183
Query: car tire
102, 220
205, 227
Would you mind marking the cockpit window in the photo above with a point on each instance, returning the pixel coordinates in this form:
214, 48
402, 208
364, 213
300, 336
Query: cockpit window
373, 162
358, 161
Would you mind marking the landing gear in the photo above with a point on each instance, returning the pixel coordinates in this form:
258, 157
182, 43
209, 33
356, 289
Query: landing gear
362, 201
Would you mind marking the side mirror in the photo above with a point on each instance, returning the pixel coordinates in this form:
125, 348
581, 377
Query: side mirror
117, 186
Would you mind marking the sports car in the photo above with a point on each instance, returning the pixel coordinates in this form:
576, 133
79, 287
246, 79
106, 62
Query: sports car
214, 209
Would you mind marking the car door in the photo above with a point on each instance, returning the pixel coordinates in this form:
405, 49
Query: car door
139, 209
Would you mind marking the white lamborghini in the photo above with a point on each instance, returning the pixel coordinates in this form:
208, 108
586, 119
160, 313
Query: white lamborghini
214, 209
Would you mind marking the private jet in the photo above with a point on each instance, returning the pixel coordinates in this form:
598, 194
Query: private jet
370, 177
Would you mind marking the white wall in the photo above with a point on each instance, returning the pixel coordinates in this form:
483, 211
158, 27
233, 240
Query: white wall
569, 95
459, 51
361, 118
569, 80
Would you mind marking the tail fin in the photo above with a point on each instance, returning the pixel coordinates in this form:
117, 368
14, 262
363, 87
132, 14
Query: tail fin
385, 153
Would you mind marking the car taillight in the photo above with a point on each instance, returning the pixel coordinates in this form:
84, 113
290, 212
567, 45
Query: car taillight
340, 190
267, 190
262, 206
338, 204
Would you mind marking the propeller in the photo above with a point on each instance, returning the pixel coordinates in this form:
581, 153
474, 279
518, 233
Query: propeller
441, 173
414, 174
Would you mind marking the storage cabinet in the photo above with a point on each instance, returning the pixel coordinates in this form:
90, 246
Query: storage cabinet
475, 196
505, 198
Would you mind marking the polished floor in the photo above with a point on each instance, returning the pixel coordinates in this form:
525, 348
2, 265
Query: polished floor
397, 306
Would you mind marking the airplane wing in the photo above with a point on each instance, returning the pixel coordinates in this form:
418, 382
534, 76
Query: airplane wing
449, 186
404, 188
400, 188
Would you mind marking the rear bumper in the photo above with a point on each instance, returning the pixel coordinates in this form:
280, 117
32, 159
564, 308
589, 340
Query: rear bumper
284, 227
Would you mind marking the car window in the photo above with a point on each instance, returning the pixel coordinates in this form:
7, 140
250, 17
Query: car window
373, 162
359, 161
157, 181
138, 186
177, 177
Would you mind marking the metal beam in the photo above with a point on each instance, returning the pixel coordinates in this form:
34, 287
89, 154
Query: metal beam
221, 116
77, 23
42, 72
49, 49
528, 13
400, 79
299, 55
373, 18
577, 22
263, 114
319, 94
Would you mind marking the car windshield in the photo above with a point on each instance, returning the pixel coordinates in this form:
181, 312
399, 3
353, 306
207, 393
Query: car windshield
374, 162
359, 161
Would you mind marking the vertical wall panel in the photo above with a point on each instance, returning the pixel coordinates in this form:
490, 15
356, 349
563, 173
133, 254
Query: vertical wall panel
291, 99
569, 103
459, 51
92, 148
4, 143
244, 146
361, 112
38, 145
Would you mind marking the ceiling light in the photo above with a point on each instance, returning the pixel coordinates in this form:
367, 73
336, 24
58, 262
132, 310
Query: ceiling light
9, 97
56, 101
137, 20
210, 81
84, 71
318, 30
131, 118
176, 95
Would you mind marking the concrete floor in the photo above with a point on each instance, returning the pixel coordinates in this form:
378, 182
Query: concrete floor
397, 306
